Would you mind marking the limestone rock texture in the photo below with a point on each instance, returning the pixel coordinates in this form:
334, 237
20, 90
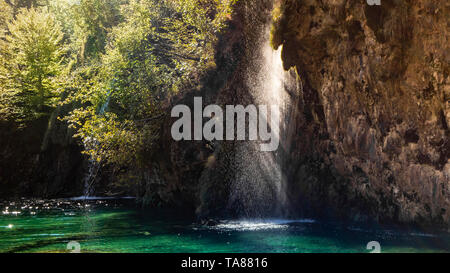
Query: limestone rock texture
372, 131
369, 132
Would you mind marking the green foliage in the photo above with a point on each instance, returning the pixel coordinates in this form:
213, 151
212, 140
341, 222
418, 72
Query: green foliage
115, 62
6, 14
278, 20
32, 58
160, 48
93, 19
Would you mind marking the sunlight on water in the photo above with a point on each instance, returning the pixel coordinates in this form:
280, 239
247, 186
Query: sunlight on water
253, 225
117, 226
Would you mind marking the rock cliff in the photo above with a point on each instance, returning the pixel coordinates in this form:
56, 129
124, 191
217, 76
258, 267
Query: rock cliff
368, 130
375, 109
369, 138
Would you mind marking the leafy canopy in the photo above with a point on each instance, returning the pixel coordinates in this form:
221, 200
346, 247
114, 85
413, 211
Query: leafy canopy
32, 57
114, 63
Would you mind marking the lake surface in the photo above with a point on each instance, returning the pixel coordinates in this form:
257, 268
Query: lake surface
117, 226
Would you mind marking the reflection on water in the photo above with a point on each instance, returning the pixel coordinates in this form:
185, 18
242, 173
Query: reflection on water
116, 226
253, 225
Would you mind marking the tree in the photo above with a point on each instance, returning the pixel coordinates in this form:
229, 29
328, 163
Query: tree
32, 62
18, 4
93, 20
6, 107
160, 48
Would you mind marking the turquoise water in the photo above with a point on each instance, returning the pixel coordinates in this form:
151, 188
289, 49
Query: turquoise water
115, 226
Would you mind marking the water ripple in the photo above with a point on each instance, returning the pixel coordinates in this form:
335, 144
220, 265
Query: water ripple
253, 225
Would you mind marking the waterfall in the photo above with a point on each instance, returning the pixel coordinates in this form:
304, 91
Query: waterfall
94, 166
92, 169
259, 188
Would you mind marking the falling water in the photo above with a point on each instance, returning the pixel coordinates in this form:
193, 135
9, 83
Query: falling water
259, 189
93, 168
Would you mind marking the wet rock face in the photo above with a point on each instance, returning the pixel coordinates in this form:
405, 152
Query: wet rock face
198, 174
373, 124
41, 160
